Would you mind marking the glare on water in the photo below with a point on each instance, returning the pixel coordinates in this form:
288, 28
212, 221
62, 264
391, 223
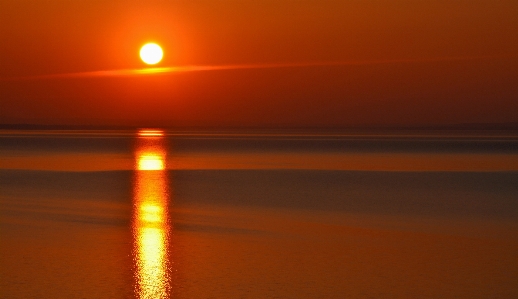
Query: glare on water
150, 218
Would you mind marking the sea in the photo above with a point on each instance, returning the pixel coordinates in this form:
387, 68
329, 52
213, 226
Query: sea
165, 213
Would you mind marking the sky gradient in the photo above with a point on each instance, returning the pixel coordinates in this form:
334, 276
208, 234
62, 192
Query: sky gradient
340, 63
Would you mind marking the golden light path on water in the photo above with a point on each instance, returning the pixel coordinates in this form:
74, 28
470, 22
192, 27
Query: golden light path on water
151, 217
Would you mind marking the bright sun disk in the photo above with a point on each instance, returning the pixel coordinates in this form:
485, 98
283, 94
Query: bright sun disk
151, 53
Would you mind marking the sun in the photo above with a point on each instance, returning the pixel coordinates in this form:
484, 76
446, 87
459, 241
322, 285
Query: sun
151, 53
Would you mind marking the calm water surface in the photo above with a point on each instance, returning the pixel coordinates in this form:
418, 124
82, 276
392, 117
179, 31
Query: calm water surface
154, 214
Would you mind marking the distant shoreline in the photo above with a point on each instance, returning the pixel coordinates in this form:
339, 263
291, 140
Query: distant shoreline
331, 129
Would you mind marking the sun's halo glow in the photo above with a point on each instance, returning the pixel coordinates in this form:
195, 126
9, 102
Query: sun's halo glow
151, 53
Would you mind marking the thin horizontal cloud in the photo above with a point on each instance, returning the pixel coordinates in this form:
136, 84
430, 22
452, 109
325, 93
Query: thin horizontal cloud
184, 69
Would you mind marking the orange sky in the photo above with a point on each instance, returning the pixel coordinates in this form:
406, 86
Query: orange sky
414, 62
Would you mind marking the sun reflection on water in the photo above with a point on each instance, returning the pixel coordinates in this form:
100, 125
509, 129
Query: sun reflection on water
150, 217
150, 161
